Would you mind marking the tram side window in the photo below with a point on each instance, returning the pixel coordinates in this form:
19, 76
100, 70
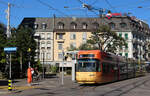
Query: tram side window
98, 67
108, 67
105, 67
123, 68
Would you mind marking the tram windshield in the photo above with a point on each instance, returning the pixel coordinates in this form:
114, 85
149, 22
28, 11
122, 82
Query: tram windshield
88, 65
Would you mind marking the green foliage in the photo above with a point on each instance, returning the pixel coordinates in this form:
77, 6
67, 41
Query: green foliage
53, 69
22, 38
2, 61
2, 45
24, 41
68, 72
87, 46
106, 40
71, 48
39, 66
103, 39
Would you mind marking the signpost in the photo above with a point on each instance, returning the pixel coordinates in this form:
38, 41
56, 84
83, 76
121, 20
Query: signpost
8, 51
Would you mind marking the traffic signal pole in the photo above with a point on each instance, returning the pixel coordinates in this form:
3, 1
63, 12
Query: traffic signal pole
62, 68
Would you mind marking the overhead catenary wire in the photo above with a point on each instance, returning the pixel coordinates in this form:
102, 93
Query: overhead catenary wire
80, 1
93, 9
110, 5
50, 7
12, 4
93, 2
127, 5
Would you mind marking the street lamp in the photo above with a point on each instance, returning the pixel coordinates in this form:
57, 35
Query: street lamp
139, 58
62, 67
43, 64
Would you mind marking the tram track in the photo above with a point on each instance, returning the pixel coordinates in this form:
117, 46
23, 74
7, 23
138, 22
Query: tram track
124, 89
112, 90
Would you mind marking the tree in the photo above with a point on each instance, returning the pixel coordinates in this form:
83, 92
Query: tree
2, 45
24, 41
103, 39
106, 40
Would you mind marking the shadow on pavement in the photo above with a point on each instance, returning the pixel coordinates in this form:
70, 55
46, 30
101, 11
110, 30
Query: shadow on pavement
50, 76
5, 82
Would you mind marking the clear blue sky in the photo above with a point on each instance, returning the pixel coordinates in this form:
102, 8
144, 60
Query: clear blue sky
46, 8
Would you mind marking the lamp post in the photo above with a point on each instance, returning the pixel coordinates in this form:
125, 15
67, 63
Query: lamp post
62, 67
43, 64
139, 58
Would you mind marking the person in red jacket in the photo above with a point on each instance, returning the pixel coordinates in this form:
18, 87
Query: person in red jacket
29, 75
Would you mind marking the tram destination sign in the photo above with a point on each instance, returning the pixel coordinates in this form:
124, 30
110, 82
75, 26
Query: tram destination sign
10, 49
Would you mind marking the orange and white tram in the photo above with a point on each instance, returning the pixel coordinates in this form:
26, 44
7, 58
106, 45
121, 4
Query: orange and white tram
94, 66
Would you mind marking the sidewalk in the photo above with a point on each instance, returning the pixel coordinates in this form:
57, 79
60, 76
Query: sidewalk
17, 85
22, 85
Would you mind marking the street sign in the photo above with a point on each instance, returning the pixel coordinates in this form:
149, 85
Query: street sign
10, 49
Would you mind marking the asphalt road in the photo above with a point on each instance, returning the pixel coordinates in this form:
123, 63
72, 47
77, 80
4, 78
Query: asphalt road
52, 87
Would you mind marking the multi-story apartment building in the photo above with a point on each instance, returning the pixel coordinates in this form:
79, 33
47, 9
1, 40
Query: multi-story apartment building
57, 34
43, 28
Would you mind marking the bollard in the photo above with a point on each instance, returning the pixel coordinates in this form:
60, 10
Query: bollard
29, 76
9, 85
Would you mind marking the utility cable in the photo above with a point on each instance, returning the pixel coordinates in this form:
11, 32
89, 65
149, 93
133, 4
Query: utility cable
45, 4
110, 5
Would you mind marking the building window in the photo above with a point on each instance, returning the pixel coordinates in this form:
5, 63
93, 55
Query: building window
73, 25
43, 45
126, 36
112, 25
48, 48
44, 25
120, 34
120, 54
61, 25
126, 55
72, 36
123, 25
60, 55
149, 55
84, 36
84, 26
95, 25
35, 26
126, 46
60, 46
42, 36
48, 45
48, 35
120, 47
59, 36
48, 56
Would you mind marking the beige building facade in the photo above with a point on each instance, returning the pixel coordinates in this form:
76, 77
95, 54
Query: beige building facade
64, 40
66, 32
